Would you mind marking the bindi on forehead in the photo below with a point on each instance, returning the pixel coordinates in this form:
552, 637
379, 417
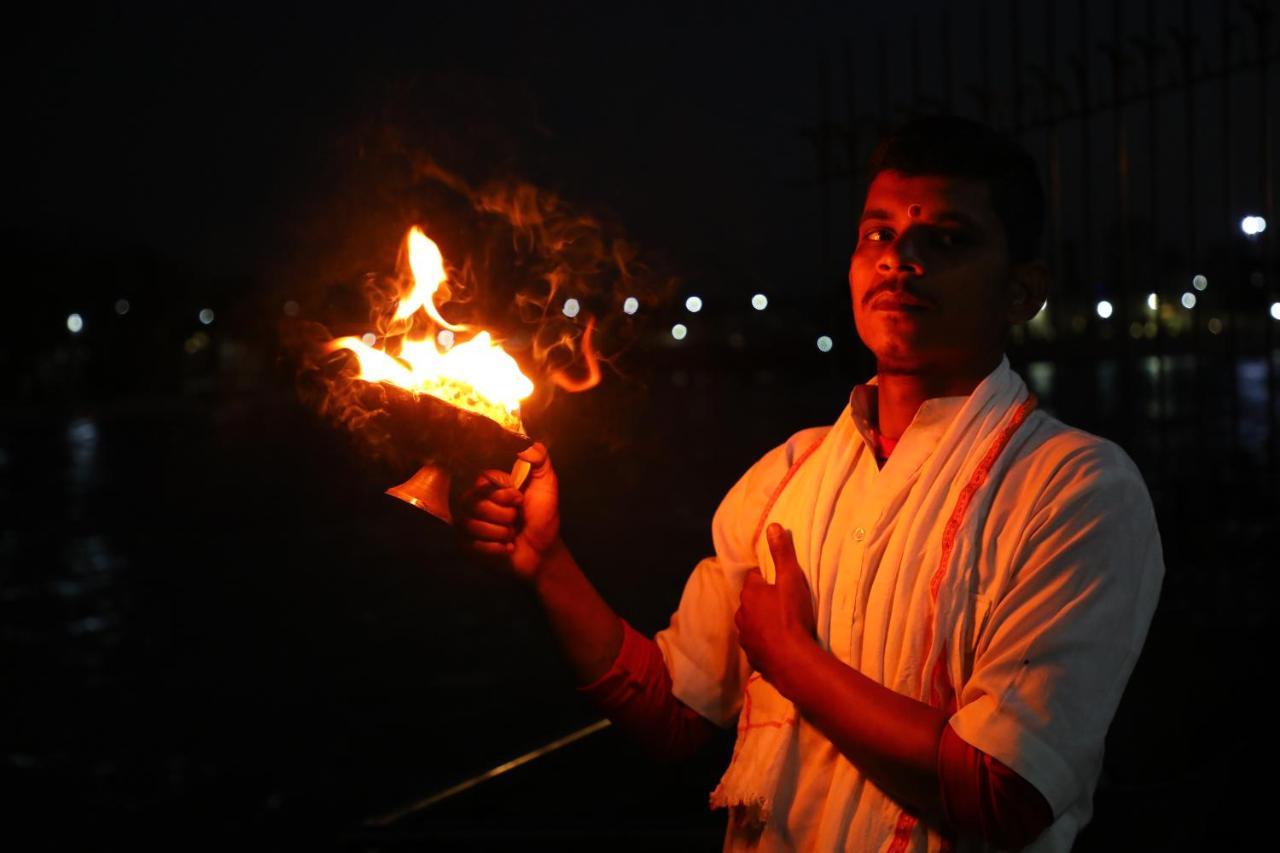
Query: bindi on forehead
913, 211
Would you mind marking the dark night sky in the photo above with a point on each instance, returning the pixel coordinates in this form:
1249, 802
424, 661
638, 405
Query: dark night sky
198, 130
220, 136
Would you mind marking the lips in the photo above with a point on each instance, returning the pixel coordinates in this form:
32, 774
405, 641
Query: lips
894, 295
895, 302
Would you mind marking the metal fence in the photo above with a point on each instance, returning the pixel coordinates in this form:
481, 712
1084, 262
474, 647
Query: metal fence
1153, 126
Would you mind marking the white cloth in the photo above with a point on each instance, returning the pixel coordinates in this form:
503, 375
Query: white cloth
1047, 599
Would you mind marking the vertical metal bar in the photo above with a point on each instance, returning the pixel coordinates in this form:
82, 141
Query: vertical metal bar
1015, 60
1153, 214
917, 96
822, 139
985, 39
948, 67
852, 150
1228, 200
1054, 127
1227, 470
1124, 266
1086, 161
853, 153
1264, 17
1187, 42
882, 72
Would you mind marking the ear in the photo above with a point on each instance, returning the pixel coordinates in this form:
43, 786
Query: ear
1028, 290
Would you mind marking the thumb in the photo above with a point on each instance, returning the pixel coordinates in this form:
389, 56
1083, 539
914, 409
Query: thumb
783, 549
538, 458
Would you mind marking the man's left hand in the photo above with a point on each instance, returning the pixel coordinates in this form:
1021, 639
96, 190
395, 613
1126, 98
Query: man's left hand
774, 620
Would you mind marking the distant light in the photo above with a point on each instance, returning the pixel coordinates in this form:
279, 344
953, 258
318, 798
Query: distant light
1104, 309
75, 323
122, 307
369, 339
1215, 325
1152, 302
206, 316
1188, 300
444, 338
571, 308
631, 305
759, 302
1253, 225
1275, 310
195, 343
824, 344
1199, 282
291, 308
678, 331
694, 304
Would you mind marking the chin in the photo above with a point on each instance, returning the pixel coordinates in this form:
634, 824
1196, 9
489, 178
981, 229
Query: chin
907, 357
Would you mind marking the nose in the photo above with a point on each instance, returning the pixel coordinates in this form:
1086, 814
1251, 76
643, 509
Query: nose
902, 254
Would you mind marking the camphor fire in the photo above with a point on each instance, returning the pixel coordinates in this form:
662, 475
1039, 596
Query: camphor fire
475, 375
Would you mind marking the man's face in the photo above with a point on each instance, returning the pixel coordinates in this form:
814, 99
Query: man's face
930, 275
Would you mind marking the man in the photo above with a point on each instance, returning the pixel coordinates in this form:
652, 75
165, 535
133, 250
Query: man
921, 618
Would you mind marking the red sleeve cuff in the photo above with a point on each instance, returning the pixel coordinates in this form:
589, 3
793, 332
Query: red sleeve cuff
636, 695
982, 796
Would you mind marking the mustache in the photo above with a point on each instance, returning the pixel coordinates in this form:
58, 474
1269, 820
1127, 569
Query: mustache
900, 287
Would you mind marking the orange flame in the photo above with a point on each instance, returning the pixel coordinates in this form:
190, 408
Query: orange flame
592, 377
477, 374
427, 266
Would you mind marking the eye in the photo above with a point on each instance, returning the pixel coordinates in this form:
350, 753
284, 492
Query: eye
877, 235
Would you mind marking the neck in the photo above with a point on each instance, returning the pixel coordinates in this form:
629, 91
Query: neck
902, 392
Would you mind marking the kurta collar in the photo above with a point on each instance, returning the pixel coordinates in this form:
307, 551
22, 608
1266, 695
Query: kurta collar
930, 420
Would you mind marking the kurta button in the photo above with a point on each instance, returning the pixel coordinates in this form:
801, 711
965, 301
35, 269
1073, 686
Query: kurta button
859, 534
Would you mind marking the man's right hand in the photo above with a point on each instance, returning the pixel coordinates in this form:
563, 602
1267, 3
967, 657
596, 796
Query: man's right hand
500, 524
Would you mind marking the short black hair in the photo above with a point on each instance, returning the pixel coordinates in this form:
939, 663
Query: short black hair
957, 147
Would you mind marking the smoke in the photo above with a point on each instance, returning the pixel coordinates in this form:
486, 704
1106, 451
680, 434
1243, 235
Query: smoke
514, 255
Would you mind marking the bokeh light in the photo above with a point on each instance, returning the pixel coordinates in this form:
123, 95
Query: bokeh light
824, 344
571, 308
693, 304
631, 305
678, 331
75, 323
759, 302
1104, 309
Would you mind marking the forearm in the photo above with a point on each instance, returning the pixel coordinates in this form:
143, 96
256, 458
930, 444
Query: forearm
636, 694
587, 630
893, 739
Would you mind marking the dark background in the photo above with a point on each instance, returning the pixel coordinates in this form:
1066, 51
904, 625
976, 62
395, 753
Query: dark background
215, 630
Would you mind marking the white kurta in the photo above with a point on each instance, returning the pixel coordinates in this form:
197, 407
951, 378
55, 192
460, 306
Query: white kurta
1067, 573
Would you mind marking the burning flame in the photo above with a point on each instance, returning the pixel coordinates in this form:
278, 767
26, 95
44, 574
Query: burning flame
427, 265
477, 374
